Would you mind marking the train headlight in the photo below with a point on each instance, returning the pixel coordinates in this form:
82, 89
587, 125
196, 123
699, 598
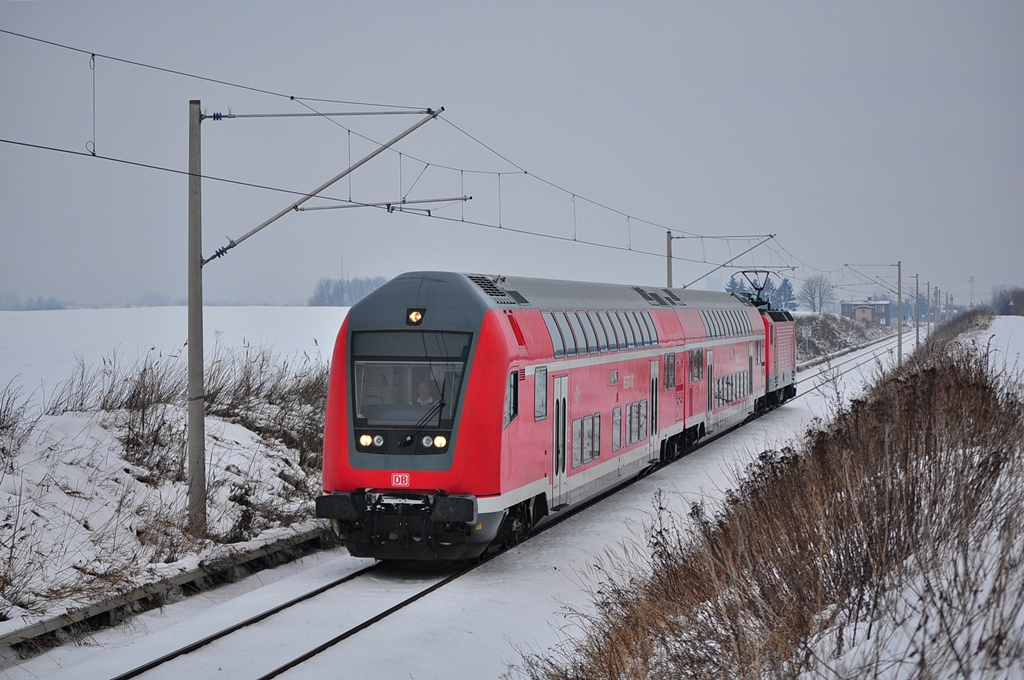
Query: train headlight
365, 440
440, 442
378, 440
414, 317
427, 442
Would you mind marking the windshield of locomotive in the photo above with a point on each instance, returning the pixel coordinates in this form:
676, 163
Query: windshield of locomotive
399, 377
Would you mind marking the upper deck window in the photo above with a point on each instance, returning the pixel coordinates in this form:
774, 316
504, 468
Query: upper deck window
588, 330
577, 329
602, 338
627, 330
556, 336
646, 316
639, 329
563, 325
616, 340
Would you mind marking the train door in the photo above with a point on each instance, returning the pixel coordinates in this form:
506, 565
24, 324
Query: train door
710, 375
559, 482
654, 442
750, 369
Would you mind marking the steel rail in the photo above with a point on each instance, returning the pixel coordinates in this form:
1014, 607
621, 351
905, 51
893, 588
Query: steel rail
191, 647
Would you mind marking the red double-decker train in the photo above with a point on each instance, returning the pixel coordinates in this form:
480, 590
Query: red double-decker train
465, 409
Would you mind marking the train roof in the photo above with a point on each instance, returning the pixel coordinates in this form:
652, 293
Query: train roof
511, 292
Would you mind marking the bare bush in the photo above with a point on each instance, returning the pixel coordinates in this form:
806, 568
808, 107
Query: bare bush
887, 544
15, 426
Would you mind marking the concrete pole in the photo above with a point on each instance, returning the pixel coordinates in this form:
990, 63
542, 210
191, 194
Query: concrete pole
196, 415
917, 311
668, 257
928, 303
899, 312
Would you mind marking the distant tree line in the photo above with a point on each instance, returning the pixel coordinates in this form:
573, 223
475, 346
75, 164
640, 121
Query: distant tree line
780, 297
1002, 296
12, 303
344, 292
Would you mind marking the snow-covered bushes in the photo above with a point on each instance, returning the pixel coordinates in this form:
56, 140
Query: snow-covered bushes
94, 488
886, 544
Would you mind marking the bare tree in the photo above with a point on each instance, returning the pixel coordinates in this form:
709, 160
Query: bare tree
816, 292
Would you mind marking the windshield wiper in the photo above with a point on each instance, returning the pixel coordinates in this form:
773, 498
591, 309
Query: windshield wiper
436, 408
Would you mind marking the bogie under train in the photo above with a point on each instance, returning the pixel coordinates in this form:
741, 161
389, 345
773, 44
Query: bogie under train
464, 409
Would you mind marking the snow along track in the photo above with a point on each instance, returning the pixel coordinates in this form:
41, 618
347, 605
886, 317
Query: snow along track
348, 603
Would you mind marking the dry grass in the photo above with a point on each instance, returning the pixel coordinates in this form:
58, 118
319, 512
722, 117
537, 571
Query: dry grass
887, 544
139, 491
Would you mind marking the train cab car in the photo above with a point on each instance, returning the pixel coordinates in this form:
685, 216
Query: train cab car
464, 409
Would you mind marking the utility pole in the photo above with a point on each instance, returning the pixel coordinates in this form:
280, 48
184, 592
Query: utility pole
196, 411
196, 390
917, 311
899, 312
928, 305
668, 257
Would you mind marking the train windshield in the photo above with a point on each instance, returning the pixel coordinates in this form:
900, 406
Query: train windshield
401, 376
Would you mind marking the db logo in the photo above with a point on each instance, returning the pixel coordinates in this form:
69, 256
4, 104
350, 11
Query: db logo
400, 479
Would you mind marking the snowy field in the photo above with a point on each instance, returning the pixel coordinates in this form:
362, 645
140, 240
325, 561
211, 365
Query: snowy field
38, 350
476, 627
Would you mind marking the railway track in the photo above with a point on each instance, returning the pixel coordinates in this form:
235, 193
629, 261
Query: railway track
355, 601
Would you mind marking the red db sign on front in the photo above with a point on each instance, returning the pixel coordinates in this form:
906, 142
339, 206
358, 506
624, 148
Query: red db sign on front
400, 479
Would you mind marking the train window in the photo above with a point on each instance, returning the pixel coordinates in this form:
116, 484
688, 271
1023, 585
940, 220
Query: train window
540, 393
632, 423
696, 364
643, 420
614, 329
670, 371
639, 329
644, 331
623, 327
588, 330
720, 322
582, 341
511, 398
613, 378
563, 325
597, 435
609, 331
616, 428
602, 338
650, 326
577, 442
709, 318
627, 330
556, 337
588, 439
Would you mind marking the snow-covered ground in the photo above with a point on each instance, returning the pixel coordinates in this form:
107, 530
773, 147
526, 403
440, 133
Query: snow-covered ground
38, 350
476, 627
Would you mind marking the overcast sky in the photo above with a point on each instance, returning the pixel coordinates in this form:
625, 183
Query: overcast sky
861, 133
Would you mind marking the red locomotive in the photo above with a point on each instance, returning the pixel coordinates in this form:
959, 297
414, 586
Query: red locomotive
464, 409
